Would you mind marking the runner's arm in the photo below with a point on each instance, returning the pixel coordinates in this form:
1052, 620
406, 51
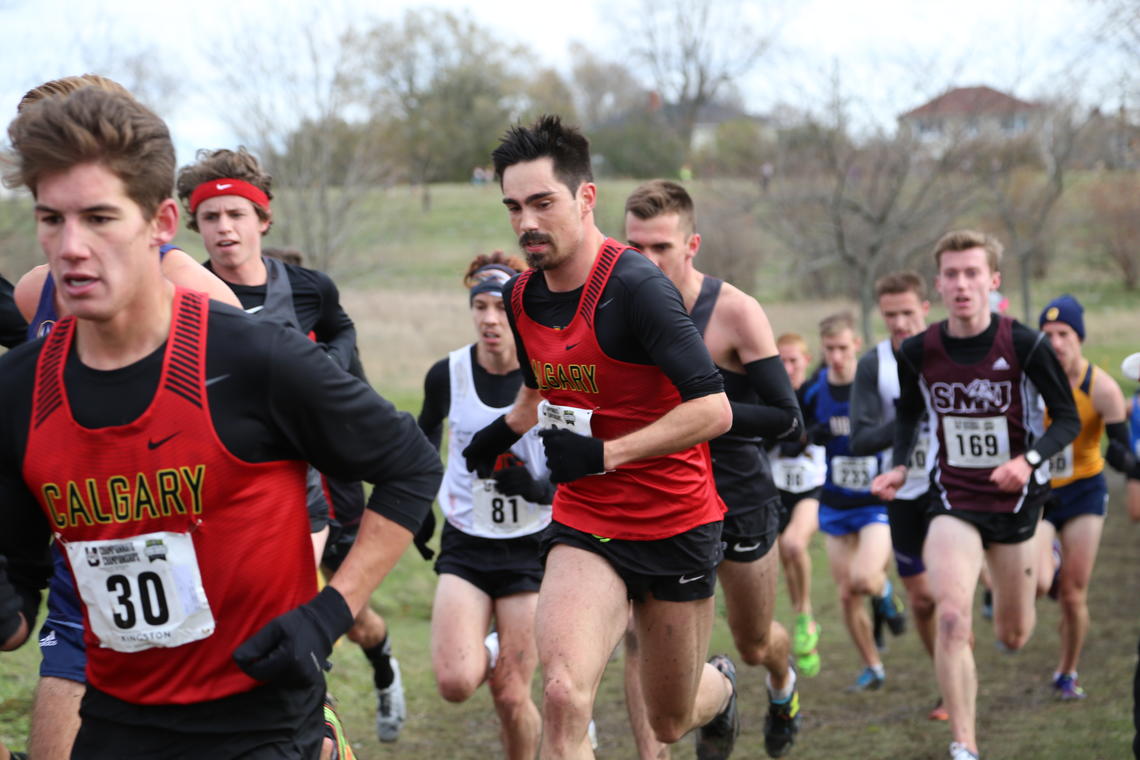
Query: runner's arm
437, 401
1044, 371
334, 328
181, 269
869, 433
908, 413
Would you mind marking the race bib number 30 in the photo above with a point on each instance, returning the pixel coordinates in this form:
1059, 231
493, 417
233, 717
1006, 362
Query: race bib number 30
494, 512
855, 473
976, 442
142, 592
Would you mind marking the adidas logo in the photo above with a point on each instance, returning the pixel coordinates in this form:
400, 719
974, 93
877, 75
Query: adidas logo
1001, 363
49, 640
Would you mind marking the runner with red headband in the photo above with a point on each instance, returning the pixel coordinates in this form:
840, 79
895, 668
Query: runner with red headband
228, 196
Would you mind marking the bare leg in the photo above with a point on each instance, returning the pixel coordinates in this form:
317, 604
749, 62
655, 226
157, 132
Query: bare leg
1080, 539
794, 553
460, 617
750, 599
581, 615
1013, 570
55, 718
921, 608
520, 723
953, 558
1043, 539
648, 748
852, 576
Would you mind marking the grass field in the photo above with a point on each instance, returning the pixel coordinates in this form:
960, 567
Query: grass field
404, 294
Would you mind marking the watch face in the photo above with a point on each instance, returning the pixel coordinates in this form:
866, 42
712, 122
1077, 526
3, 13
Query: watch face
1033, 458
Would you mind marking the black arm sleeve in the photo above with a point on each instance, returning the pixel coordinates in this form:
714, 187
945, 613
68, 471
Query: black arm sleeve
1119, 454
908, 413
777, 416
660, 323
869, 433
334, 329
1044, 371
345, 429
520, 350
437, 401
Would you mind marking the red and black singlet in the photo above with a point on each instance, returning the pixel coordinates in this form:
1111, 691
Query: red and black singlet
168, 471
648, 499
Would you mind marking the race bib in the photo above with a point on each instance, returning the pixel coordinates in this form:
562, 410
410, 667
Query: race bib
976, 442
1061, 464
494, 512
142, 592
917, 468
564, 417
855, 473
791, 475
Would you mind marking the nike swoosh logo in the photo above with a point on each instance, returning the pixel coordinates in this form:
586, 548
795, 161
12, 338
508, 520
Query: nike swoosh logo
152, 445
752, 548
220, 186
217, 379
606, 302
571, 345
254, 309
683, 580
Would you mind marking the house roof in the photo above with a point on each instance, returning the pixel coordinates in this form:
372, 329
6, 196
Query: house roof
971, 101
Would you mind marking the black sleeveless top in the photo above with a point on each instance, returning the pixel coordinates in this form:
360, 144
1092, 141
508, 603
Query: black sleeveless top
740, 464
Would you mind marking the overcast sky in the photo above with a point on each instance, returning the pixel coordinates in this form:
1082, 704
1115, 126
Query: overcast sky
889, 54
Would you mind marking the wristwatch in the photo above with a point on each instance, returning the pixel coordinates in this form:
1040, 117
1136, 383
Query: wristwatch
1033, 458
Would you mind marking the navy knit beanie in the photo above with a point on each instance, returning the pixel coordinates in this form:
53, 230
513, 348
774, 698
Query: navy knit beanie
1065, 309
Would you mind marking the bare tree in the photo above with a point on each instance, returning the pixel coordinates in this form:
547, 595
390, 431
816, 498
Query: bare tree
694, 49
850, 210
291, 102
604, 90
1023, 194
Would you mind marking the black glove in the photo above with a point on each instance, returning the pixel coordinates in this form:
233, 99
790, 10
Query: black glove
425, 534
570, 456
517, 481
487, 444
791, 449
293, 648
819, 433
11, 605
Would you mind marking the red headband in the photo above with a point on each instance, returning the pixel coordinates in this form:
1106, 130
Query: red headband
228, 186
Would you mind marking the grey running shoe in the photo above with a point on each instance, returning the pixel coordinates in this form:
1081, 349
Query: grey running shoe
716, 738
391, 710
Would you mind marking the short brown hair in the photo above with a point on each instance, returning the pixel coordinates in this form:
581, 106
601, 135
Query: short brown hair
901, 282
833, 324
92, 125
224, 164
661, 196
793, 339
68, 85
964, 240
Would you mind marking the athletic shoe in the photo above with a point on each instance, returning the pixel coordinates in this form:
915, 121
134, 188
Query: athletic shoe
1067, 688
492, 644
938, 712
334, 731
892, 610
805, 637
391, 710
592, 733
958, 751
717, 737
781, 725
868, 680
988, 604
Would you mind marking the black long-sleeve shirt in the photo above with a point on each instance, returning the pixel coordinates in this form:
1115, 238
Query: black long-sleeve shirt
1038, 362
872, 430
273, 395
13, 328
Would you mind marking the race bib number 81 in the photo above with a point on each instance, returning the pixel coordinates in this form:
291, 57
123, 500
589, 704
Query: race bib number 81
494, 512
142, 592
976, 442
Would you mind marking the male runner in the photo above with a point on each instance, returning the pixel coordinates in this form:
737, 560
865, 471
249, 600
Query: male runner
55, 709
1075, 511
854, 521
12, 323
981, 377
629, 394
903, 306
799, 469
227, 198
660, 221
180, 499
